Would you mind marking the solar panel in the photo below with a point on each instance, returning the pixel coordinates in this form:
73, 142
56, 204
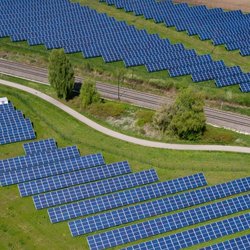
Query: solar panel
39, 146
7, 108
245, 87
8, 126
20, 162
168, 223
81, 192
111, 201
195, 236
73, 178
157, 207
96, 34
11, 115
49, 169
242, 243
20, 135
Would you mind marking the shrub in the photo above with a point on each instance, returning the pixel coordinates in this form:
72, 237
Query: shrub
144, 117
88, 94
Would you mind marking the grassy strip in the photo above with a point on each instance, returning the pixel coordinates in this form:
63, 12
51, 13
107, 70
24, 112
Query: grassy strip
102, 112
32, 229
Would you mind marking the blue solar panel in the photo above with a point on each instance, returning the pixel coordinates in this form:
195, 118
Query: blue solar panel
7, 108
13, 126
39, 146
11, 116
195, 236
81, 192
20, 162
157, 207
73, 178
9, 127
231, 80
127, 197
240, 243
168, 223
49, 169
96, 34
245, 87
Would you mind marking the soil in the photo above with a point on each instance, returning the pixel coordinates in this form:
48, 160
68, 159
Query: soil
243, 5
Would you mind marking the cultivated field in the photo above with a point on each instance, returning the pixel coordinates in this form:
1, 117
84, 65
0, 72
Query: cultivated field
243, 5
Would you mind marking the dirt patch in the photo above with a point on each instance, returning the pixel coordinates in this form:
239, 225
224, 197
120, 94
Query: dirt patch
243, 5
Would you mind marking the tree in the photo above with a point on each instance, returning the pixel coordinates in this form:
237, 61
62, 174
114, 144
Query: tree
185, 117
189, 120
88, 93
120, 75
61, 74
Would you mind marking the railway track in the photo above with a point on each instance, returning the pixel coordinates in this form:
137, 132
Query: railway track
236, 122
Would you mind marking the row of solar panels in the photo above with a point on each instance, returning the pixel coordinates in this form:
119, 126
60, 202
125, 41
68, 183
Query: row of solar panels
224, 76
214, 24
81, 29
89, 186
13, 126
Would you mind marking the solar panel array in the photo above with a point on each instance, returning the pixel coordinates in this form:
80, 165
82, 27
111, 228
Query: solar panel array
157, 207
50, 169
76, 186
230, 28
242, 243
81, 192
13, 126
78, 28
114, 200
197, 235
168, 223
27, 161
31, 148
74, 178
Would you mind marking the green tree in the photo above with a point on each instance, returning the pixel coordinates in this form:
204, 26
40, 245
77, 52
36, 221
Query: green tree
61, 73
120, 75
185, 117
189, 120
88, 93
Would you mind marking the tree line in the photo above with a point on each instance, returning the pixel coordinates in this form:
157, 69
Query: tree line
185, 117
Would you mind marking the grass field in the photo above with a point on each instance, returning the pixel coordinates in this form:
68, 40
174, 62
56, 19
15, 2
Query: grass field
21, 227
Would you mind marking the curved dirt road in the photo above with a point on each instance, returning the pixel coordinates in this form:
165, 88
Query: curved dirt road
120, 136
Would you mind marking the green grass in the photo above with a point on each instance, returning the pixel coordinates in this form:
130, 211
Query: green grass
138, 77
22, 227
101, 112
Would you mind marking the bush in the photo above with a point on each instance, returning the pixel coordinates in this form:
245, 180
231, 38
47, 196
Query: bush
185, 117
88, 94
163, 117
144, 117
105, 110
189, 120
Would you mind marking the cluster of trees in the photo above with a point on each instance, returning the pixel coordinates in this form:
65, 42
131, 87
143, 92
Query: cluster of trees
185, 118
